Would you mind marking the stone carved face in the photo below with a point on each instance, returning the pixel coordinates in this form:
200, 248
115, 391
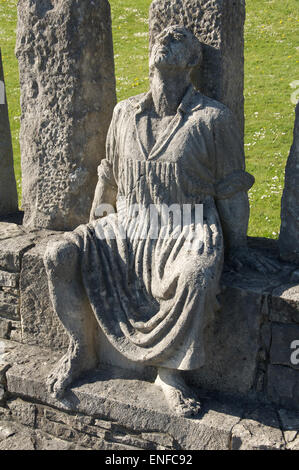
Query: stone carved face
177, 48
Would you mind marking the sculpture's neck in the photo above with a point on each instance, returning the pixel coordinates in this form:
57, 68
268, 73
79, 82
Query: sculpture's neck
168, 89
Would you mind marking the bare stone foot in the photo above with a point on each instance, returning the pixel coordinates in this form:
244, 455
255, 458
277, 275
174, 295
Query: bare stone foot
179, 396
73, 364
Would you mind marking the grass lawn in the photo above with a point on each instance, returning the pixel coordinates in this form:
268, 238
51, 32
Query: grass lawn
271, 65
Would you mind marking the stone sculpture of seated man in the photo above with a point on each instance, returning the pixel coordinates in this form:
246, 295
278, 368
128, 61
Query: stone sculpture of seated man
154, 296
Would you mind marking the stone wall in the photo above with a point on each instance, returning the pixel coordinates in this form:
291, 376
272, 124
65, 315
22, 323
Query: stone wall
23, 313
13, 243
83, 431
282, 375
29, 426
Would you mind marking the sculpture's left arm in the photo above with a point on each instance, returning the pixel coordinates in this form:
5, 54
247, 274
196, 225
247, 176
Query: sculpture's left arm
106, 190
234, 215
232, 182
232, 185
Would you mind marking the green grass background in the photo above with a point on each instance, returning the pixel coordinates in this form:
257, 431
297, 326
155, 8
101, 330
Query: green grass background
271, 65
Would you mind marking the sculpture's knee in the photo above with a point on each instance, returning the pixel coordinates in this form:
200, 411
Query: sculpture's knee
61, 255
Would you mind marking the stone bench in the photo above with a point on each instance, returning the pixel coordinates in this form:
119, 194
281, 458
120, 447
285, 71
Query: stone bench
248, 345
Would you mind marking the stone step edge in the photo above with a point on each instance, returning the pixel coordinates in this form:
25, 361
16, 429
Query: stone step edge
117, 396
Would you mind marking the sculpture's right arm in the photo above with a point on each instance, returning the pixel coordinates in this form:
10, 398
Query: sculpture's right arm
106, 189
104, 194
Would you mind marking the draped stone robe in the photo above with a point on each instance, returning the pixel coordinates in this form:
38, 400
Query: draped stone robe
153, 296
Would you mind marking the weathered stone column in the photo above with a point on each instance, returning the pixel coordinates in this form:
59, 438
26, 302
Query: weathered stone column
289, 233
8, 188
219, 24
65, 54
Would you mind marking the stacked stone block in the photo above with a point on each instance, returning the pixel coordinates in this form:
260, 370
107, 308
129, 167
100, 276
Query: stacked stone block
289, 238
66, 63
13, 242
8, 187
26, 314
283, 370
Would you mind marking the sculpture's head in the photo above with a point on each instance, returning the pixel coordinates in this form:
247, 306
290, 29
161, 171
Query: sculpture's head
177, 48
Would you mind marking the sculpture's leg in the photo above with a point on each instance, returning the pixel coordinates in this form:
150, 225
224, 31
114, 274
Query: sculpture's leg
72, 307
180, 398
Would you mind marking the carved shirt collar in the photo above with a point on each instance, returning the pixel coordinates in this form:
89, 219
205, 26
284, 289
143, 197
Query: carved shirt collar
187, 105
190, 102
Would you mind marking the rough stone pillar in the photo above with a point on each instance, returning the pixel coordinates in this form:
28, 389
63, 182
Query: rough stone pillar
289, 232
65, 54
8, 188
219, 24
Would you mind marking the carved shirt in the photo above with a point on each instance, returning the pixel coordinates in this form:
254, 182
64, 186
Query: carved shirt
199, 153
